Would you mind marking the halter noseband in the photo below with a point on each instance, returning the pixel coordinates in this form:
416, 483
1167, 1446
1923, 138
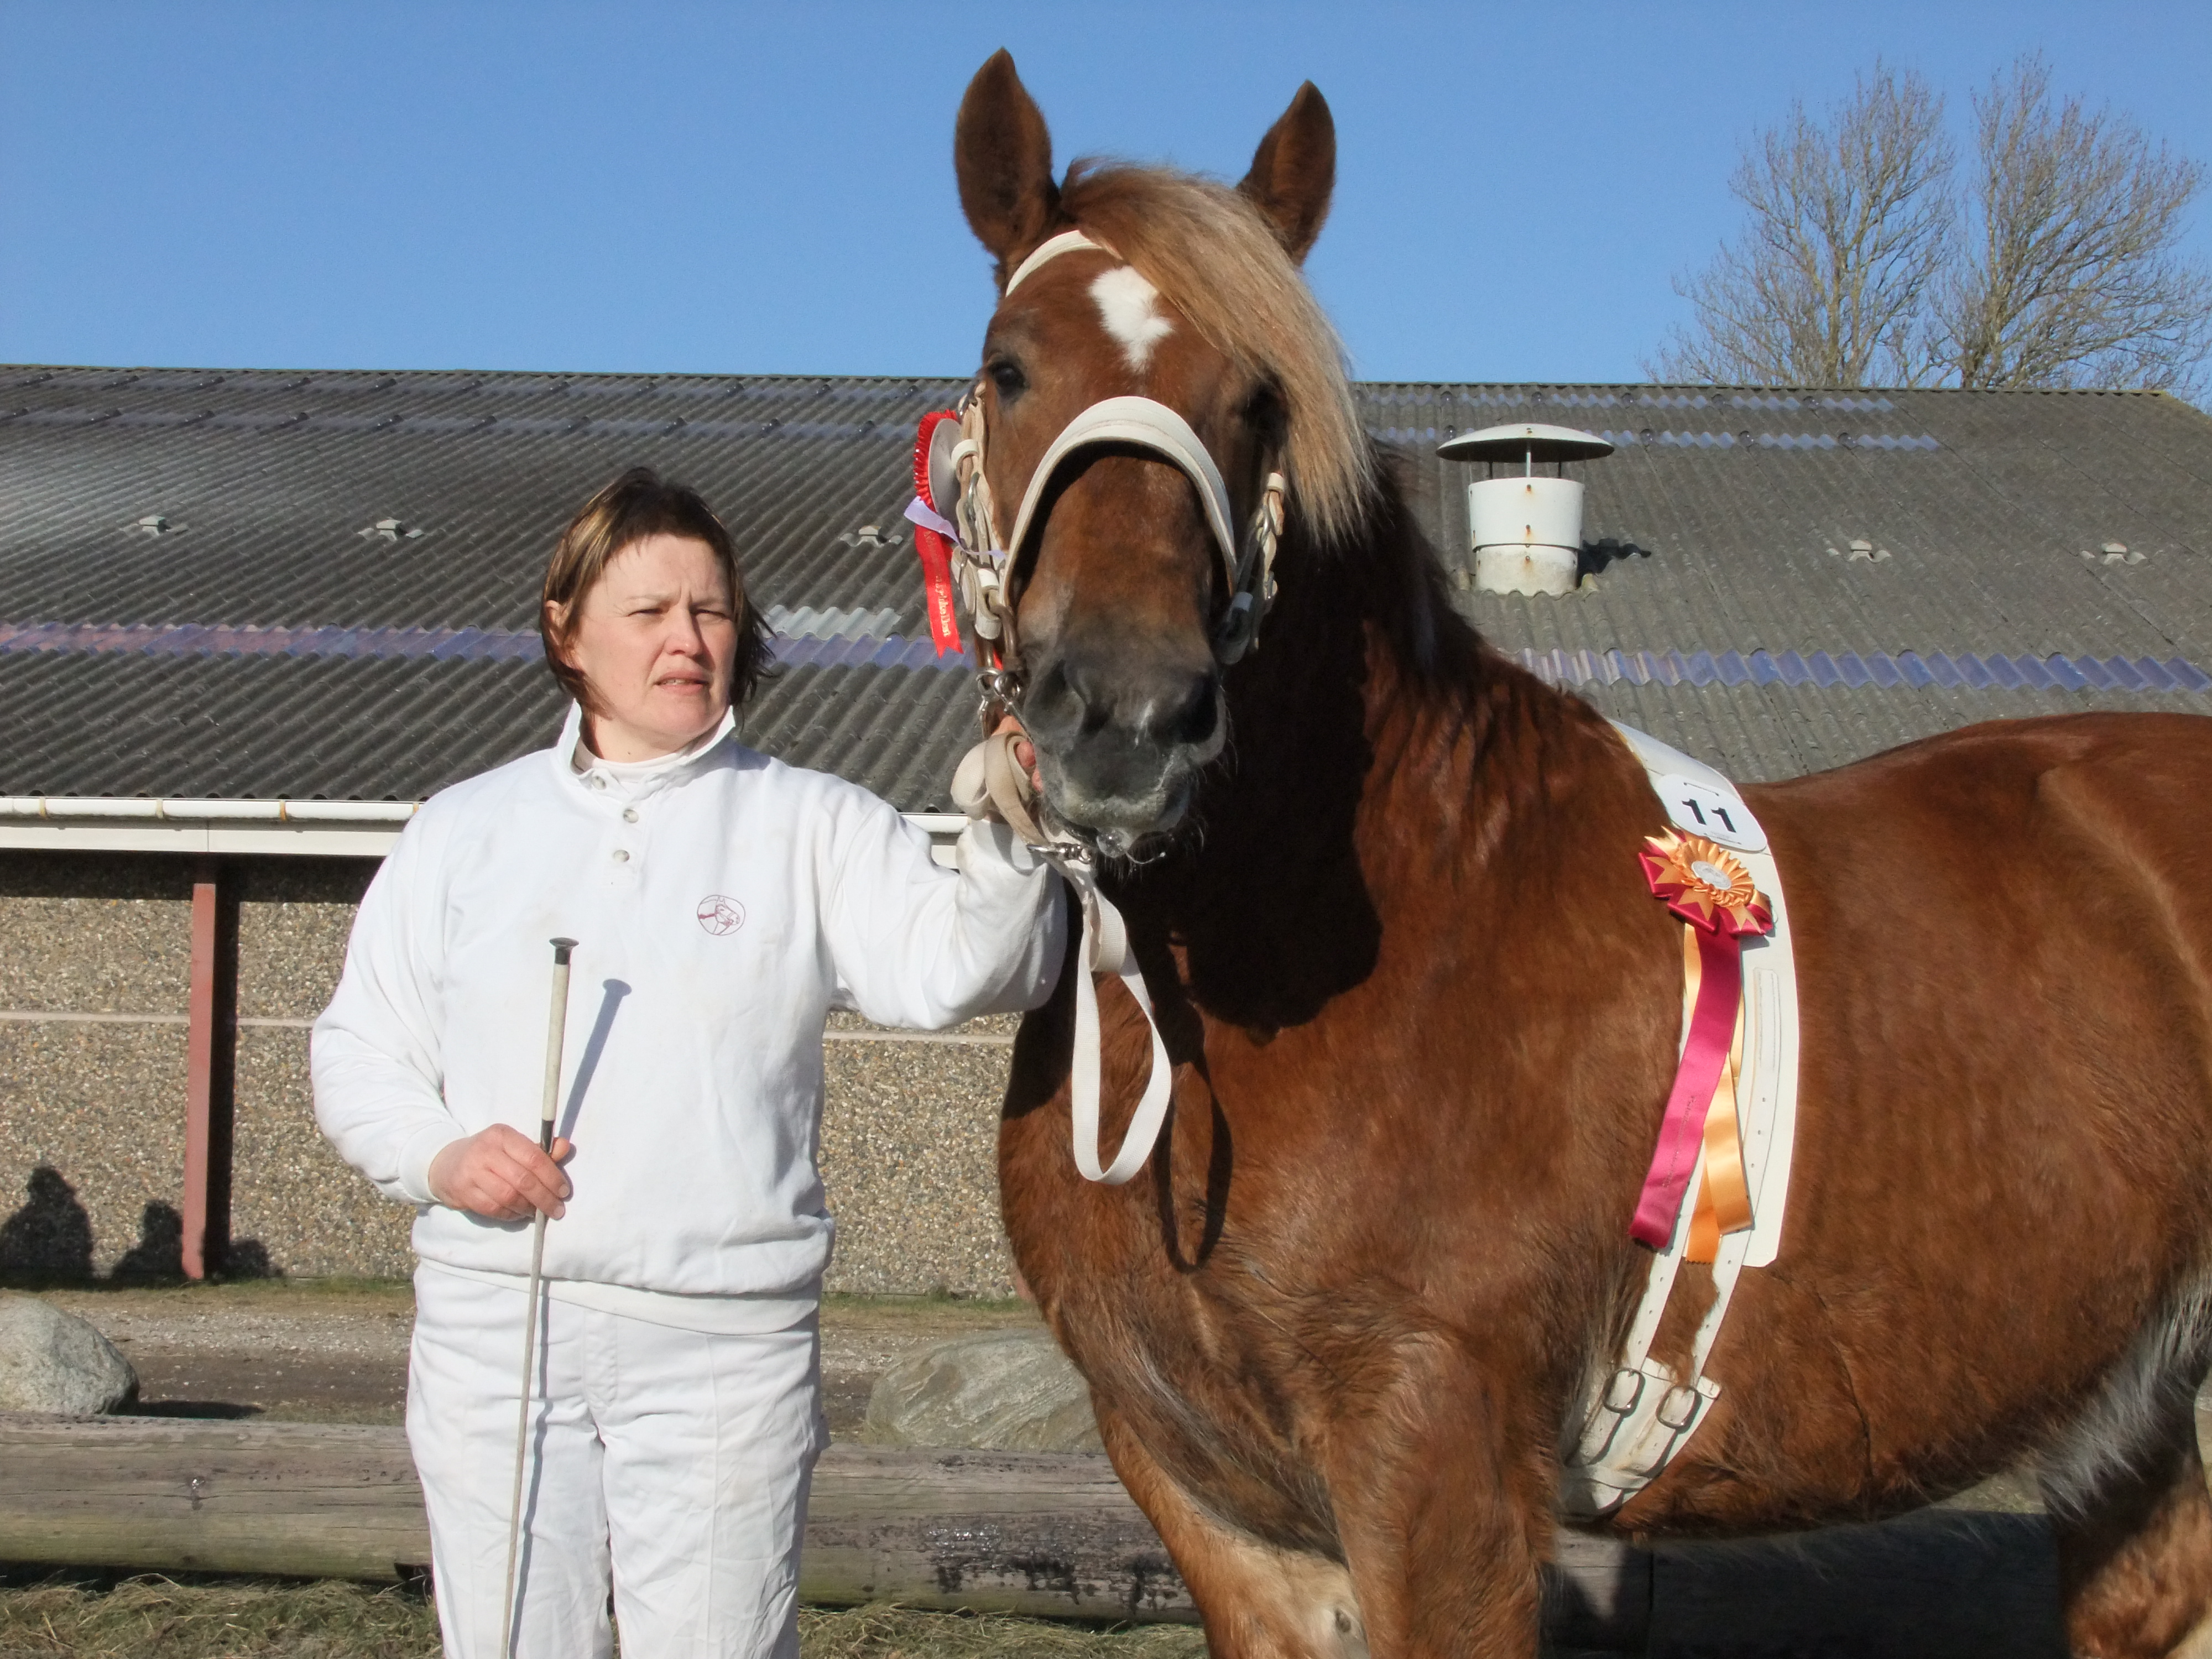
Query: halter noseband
981, 555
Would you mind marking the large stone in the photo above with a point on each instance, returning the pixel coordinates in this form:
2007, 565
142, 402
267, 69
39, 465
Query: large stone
51, 1361
1001, 1391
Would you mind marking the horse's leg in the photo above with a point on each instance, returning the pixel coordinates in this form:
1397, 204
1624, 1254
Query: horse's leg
2134, 1557
1444, 1524
1258, 1602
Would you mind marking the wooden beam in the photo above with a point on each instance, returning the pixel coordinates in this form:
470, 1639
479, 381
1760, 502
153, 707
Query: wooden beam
164, 1494
210, 1062
1038, 1533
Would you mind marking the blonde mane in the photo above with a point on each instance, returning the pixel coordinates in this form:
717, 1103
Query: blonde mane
1210, 251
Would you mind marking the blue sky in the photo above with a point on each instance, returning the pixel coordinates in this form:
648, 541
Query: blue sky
768, 188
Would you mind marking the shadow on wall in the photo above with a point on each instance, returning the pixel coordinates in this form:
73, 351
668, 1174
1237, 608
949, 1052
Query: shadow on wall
50, 1238
159, 1251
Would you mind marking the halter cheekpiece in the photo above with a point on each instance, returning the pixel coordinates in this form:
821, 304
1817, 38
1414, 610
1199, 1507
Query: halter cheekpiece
965, 551
950, 469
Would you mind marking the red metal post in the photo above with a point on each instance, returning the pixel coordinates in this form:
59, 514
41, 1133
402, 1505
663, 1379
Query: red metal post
210, 1051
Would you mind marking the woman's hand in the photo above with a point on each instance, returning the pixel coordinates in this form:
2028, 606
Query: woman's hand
1024, 750
501, 1175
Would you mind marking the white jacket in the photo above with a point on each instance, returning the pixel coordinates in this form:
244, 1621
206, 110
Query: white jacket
724, 903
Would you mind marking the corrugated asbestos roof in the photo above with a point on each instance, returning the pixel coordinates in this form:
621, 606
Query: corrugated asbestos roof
262, 584
1725, 523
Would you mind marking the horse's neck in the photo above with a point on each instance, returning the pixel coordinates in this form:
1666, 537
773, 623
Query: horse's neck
1375, 747
1375, 689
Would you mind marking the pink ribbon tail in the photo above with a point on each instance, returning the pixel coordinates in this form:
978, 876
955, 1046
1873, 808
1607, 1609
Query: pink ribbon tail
1681, 1130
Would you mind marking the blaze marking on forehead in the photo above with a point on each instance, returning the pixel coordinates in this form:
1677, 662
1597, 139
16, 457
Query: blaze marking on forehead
1130, 308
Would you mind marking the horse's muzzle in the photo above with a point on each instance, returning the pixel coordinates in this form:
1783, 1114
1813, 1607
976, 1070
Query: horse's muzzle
1120, 745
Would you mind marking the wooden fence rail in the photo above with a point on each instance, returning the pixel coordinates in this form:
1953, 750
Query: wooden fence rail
1016, 1531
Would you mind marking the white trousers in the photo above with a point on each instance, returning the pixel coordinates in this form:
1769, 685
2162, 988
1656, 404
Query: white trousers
675, 1460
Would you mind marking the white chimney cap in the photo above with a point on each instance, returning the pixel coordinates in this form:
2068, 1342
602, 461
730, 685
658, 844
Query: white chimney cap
1531, 443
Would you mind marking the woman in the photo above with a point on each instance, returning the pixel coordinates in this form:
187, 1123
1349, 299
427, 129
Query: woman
724, 904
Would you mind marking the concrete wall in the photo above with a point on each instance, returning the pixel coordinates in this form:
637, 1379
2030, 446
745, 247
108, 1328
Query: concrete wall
94, 971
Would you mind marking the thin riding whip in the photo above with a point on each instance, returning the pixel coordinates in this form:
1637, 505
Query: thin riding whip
557, 1032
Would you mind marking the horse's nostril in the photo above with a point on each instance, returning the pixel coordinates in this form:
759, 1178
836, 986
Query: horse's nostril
1189, 719
1161, 705
1093, 692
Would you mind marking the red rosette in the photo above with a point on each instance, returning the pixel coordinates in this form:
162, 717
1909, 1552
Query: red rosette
935, 551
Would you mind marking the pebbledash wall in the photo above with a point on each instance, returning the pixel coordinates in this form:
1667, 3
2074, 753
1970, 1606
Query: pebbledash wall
94, 972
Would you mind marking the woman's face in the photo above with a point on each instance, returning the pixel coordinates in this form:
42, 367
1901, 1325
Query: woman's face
656, 637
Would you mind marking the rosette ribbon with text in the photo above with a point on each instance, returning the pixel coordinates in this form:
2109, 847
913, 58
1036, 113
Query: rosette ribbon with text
1713, 894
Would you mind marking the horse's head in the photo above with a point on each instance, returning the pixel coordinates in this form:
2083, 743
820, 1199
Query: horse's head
1187, 295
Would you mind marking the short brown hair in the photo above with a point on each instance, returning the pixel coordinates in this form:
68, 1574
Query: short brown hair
639, 504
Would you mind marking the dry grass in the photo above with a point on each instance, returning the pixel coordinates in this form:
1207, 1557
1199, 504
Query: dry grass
154, 1618
906, 1633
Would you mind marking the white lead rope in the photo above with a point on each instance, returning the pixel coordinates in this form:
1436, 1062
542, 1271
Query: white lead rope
1105, 948
990, 784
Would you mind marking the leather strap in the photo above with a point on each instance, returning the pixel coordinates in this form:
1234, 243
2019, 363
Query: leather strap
981, 553
1141, 424
1067, 241
989, 782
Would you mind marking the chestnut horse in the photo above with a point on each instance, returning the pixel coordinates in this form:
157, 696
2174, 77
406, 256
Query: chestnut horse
1424, 1014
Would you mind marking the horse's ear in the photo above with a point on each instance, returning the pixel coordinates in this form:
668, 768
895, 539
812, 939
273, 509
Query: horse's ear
1002, 154
1294, 172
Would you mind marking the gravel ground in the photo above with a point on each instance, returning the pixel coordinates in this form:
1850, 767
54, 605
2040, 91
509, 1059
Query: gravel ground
291, 1351
307, 1353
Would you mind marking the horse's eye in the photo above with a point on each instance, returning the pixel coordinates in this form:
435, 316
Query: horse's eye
1008, 378
1263, 412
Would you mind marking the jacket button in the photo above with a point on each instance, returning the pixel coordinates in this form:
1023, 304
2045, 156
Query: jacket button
622, 855
630, 815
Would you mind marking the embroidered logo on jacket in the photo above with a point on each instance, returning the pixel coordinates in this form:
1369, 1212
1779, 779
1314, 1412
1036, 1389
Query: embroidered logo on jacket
719, 914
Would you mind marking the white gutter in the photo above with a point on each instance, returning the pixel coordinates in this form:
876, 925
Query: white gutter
200, 811
304, 829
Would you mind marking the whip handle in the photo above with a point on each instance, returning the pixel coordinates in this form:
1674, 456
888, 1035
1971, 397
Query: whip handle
556, 1031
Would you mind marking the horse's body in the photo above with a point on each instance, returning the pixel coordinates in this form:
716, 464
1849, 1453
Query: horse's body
1425, 1014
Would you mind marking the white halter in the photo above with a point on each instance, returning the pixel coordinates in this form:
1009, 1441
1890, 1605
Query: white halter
981, 553
988, 782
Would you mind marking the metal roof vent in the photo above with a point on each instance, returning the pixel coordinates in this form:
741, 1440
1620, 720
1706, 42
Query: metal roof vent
389, 529
1858, 547
156, 524
1526, 529
2112, 553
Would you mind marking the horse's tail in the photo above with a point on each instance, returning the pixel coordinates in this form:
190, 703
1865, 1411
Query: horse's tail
2147, 1399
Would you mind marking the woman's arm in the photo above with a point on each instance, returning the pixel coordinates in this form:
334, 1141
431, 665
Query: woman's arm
376, 1050
377, 1057
918, 944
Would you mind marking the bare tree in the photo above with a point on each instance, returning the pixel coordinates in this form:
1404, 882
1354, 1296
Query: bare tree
2073, 276
1850, 222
